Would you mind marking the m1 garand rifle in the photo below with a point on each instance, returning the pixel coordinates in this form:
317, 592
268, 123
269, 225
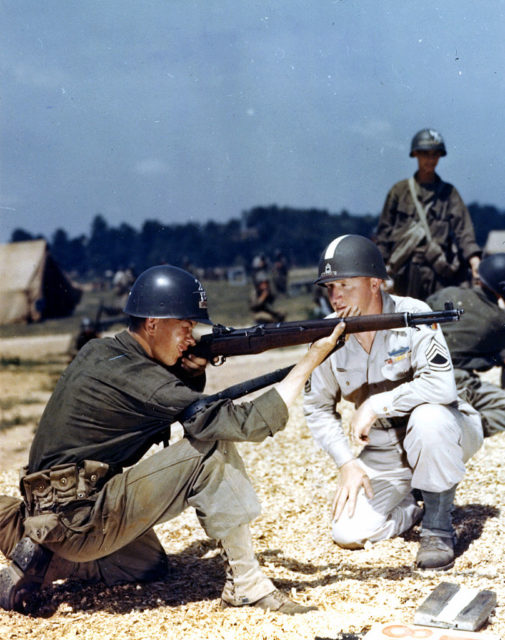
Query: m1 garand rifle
227, 341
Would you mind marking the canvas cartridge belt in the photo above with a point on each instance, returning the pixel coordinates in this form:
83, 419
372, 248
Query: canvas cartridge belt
51, 489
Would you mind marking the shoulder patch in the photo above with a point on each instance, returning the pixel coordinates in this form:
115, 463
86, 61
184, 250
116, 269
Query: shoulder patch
438, 356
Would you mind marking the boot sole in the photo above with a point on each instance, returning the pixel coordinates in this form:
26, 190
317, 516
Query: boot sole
287, 608
20, 582
444, 567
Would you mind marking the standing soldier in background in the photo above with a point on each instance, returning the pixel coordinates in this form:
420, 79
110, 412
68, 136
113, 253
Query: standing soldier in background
477, 341
425, 232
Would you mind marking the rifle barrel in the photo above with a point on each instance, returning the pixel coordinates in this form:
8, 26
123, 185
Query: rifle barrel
226, 341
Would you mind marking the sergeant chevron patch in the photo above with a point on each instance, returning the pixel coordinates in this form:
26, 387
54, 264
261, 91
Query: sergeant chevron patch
438, 356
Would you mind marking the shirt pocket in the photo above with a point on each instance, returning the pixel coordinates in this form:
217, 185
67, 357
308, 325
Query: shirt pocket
350, 379
398, 364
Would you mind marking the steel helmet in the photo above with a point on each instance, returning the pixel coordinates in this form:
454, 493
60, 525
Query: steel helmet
492, 273
351, 256
426, 140
167, 292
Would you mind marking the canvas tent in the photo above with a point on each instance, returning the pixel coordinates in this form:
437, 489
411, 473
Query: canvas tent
32, 286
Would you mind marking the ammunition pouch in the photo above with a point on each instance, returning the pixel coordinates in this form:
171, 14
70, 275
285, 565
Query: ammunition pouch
52, 489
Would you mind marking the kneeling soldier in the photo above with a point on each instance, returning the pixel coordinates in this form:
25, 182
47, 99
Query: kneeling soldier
416, 431
91, 501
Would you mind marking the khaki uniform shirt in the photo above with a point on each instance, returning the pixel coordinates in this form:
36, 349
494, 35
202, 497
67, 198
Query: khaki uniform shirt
405, 368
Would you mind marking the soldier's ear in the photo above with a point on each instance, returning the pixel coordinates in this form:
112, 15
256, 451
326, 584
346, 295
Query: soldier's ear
150, 325
375, 283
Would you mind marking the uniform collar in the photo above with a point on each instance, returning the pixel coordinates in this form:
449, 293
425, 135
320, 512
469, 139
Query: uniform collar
388, 304
486, 293
432, 186
127, 341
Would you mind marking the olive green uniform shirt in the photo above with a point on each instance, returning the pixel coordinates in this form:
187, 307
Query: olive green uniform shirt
477, 340
451, 228
113, 402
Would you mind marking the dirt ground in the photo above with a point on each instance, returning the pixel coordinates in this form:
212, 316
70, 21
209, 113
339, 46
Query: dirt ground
295, 482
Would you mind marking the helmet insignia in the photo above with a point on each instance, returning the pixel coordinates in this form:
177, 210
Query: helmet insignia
202, 304
328, 270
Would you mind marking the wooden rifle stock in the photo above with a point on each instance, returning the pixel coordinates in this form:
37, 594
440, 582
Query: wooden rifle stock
227, 341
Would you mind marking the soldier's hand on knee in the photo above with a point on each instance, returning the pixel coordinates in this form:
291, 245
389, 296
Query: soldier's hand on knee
352, 478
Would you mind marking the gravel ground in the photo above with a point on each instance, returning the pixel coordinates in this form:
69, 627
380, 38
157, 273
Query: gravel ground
295, 482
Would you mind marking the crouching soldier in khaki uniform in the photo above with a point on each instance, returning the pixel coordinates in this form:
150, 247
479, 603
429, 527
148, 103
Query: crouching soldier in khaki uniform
90, 501
417, 433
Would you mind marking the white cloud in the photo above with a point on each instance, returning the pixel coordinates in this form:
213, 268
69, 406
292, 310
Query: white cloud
31, 75
380, 131
372, 128
151, 167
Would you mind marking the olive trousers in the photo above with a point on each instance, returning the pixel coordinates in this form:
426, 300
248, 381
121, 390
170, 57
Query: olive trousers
112, 538
487, 398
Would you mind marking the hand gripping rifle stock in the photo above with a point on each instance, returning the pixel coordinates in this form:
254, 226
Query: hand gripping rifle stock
227, 341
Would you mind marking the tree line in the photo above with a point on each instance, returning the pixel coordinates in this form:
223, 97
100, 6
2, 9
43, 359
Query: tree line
300, 234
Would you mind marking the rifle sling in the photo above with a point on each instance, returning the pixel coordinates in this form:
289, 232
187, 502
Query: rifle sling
235, 391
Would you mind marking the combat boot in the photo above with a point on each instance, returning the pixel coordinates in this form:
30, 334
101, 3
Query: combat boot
436, 549
21, 581
435, 552
246, 584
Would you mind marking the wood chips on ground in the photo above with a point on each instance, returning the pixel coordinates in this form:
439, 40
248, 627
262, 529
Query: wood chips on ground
295, 482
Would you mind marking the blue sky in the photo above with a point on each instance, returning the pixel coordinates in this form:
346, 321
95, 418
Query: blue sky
190, 110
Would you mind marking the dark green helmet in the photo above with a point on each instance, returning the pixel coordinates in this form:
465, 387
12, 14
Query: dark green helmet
492, 273
426, 140
167, 292
351, 256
